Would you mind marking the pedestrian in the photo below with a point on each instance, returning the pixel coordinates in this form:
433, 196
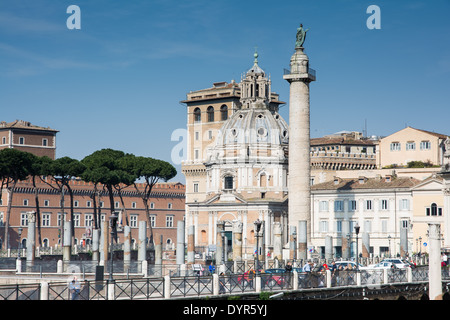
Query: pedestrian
221, 283
308, 266
288, 267
212, 268
74, 288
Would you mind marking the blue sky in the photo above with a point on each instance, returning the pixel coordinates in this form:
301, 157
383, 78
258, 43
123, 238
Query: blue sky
117, 82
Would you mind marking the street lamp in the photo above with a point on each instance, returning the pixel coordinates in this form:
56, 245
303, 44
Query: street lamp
113, 224
257, 229
357, 258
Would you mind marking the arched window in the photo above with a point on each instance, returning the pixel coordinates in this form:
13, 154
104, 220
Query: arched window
197, 115
434, 209
210, 112
223, 112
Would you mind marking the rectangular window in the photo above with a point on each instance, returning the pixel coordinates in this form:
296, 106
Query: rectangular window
60, 215
152, 205
197, 135
25, 202
3, 140
384, 225
195, 186
88, 204
384, 204
133, 205
134, 221
24, 219
404, 224
338, 226
44, 142
404, 204
169, 221
210, 135
76, 219
153, 220
425, 145
324, 226
116, 204
368, 225
46, 219
76, 203
228, 183
395, 146
46, 203
323, 206
196, 154
169, 206
352, 205
88, 219
338, 205
410, 145
368, 205
21, 140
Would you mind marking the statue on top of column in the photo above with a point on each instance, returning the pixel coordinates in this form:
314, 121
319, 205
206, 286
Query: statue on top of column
301, 36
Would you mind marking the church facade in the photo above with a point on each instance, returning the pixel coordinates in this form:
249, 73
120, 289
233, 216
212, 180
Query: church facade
237, 164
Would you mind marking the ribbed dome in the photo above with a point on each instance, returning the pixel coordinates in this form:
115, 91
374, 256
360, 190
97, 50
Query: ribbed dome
253, 126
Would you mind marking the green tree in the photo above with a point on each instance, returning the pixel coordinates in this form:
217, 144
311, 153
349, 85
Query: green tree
62, 171
105, 167
37, 169
15, 166
151, 171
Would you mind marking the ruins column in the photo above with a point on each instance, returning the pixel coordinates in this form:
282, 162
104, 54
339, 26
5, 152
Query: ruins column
31, 237
67, 241
142, 242
237, 240
180, 242
365, 245
127, 246
219, 242
434, 264
277, 241
191, 244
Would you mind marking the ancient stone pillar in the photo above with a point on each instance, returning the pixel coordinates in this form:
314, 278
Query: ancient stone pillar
277, 241
142, 242
365, 245
237, 240
31, 237
434, 264
180, 242
191, 244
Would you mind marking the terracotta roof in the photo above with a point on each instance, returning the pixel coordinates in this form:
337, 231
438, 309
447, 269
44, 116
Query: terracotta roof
372, 183
439, 135
21, 124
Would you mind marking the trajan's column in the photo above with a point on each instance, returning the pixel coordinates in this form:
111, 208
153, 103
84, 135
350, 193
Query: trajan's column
299, 78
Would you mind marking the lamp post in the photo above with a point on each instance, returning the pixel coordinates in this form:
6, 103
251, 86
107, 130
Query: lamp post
257, 229
113, 224
357, 257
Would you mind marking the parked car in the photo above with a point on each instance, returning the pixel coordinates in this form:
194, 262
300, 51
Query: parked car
399, 263
380, 265
346, 265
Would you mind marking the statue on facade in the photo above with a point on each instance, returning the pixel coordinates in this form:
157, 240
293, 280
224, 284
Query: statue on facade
301, 36
446, 160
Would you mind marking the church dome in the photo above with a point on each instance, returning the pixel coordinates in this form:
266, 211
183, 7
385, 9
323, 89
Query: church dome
257, 125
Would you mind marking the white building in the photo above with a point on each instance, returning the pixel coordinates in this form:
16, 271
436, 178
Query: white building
381, 206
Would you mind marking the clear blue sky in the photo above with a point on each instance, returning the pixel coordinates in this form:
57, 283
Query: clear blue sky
117, 82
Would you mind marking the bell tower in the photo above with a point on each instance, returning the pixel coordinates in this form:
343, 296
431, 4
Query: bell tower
255, 87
